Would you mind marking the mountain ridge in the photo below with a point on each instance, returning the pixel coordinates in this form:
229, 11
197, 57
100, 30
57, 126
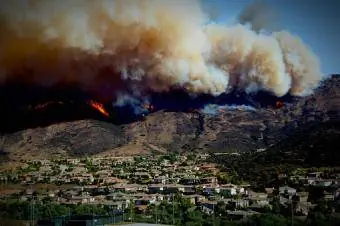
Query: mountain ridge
235, 130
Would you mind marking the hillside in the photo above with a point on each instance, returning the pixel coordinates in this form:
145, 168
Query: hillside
231, 130
315, 145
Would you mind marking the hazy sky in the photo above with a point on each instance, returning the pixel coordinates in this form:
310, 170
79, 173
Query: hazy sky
317, 22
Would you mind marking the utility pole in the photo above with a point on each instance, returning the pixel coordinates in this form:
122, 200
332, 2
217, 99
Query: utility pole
111, 209
124, 214
131, 211
32, 207
173, 209
69, 213
213, 212
156, 213
291, 206
92, 217
114, 217
32, 211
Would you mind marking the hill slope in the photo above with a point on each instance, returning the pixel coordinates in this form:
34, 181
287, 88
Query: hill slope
315, 145
240, 129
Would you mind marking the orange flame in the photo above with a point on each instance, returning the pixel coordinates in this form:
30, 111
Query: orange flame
98, 106
279, 104
149, 107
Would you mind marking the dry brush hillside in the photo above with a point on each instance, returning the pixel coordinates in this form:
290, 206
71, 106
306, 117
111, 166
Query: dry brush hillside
232, 130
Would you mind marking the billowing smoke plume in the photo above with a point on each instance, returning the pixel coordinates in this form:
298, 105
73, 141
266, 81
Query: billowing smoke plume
139, 46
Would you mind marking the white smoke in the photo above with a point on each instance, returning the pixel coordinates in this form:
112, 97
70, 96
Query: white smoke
149, 45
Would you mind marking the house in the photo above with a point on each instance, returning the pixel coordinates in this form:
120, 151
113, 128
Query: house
211, 189
117, 196
118, 205
287, 190
174, 180
209, 180
85, 177
195, 199
284, 201
187, 189
302, 208
229, 189
282, 176
239, 203
45, 169
79, 170
159, 197
121, 200
29, 191
269, 190
73, 161
329, 196
189, 181
155, 188
171, 188
142, 175
240, 190
208, 207
53, 193
155, 172
130, 188
312, 177
203, 156
160, 180
260, 199
103, 173
209, 167
302, 196
323, 183
86, 199
111, 180
145, 200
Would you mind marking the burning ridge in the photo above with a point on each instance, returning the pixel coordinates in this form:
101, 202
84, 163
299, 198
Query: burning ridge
24, 107
119, 60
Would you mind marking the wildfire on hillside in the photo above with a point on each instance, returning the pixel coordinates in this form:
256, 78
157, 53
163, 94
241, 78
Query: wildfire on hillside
149, 107
100, 107
279, 104
45, 105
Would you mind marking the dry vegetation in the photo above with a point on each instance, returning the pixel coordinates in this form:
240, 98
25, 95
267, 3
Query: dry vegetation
234, 130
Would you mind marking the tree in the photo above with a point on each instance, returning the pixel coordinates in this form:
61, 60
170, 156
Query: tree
276, 205
225, 194
269, 220
191, 157
193, 218
222, 177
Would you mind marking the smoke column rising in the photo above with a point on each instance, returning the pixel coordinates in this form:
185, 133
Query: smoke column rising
142, 46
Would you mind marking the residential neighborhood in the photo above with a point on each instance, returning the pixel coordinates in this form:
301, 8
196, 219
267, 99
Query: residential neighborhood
140, 182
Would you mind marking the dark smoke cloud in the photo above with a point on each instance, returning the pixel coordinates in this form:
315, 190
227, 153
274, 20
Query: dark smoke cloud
259, 16
125, 47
